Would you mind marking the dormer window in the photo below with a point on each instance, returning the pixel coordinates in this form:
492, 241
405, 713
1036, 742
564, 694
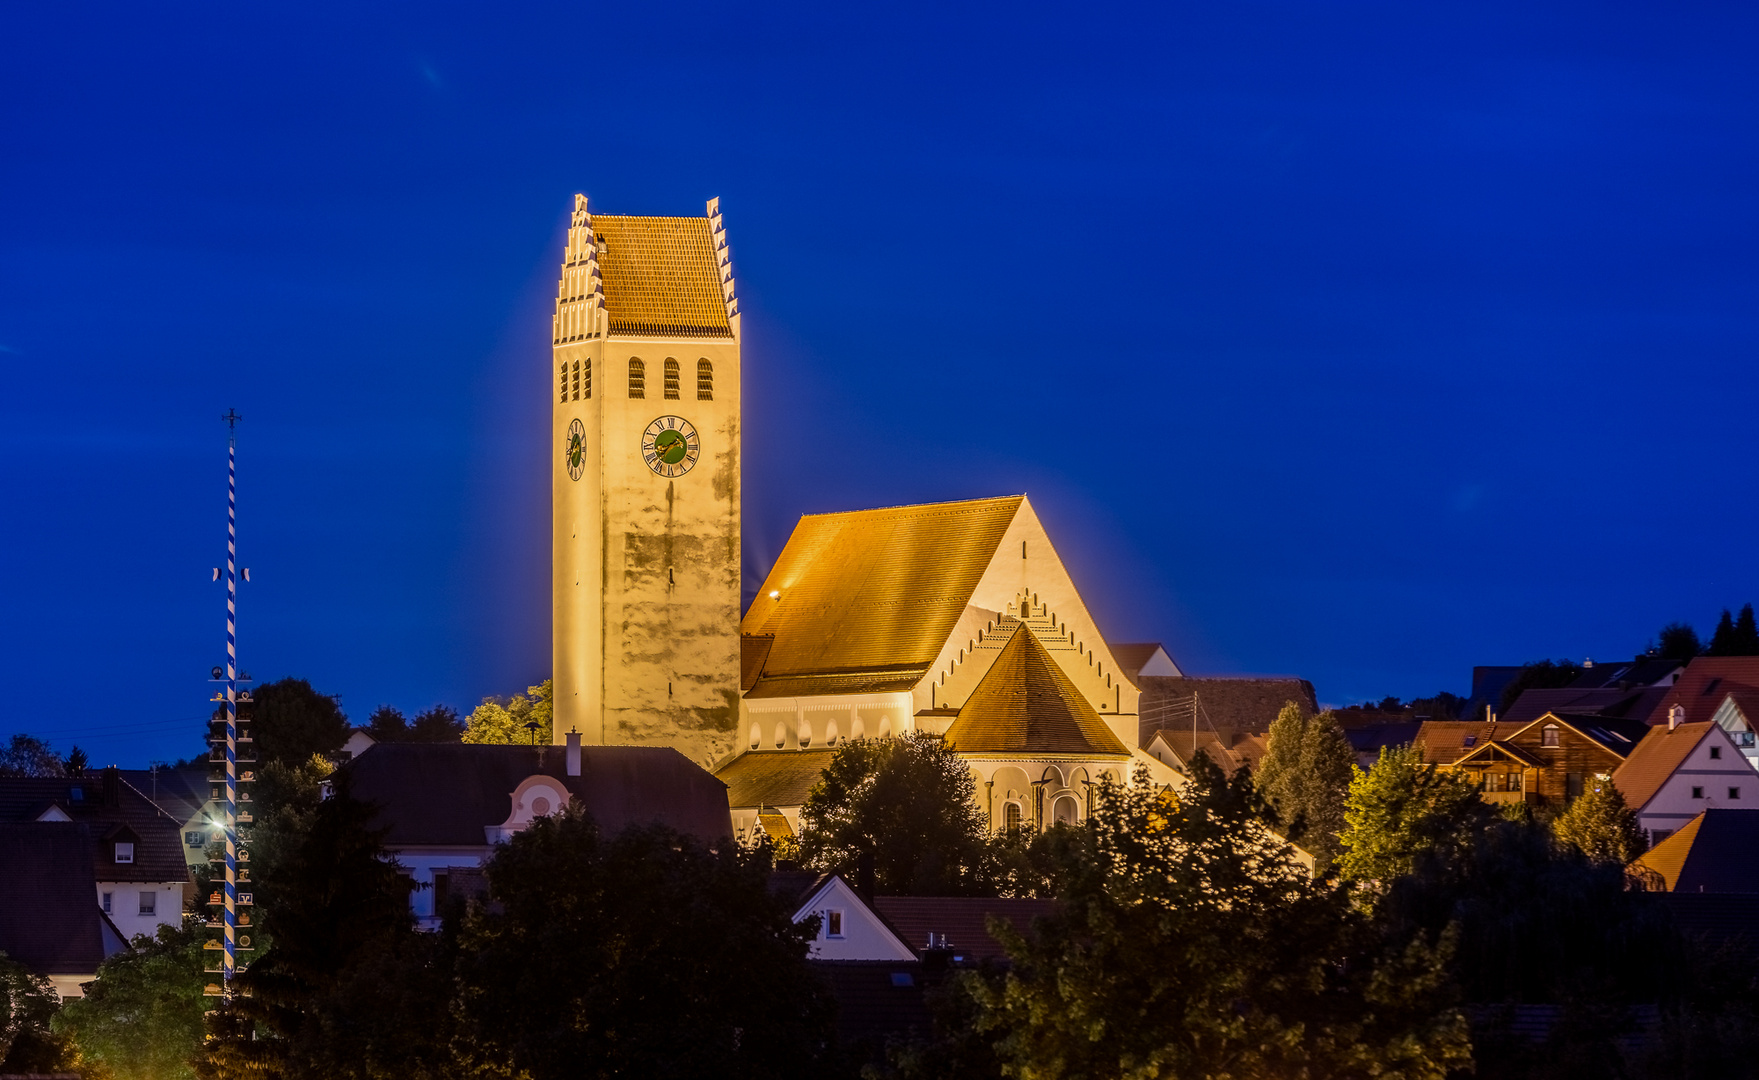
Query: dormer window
124, 852
1548, 737
1469, 741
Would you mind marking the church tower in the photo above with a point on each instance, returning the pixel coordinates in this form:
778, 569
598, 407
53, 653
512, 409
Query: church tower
644, 392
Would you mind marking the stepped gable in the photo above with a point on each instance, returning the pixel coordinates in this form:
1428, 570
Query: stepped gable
867, 598
661, 276
447, 793
760, 778
1025, 704
1713, 853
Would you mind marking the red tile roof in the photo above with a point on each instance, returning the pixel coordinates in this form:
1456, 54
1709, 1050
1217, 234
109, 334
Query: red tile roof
962, 920
104, 802
1656, 757
1707, 682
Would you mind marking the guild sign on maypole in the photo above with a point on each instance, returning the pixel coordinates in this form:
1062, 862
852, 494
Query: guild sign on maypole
231, 770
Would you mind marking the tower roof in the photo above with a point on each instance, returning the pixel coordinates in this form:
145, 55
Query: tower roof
1025, 704
866, 599
661, 276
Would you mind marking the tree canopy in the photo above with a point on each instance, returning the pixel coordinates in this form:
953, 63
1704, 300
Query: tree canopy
1601, 826
499, 720
1735, 637
27, 755
1400, 809
28, 1044
1539, 675
899, 814
141, 1018
1305, 775
438, 724
291, 722
1678, 641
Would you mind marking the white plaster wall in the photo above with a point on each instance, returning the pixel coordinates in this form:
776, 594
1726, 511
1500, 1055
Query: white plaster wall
864, 937
1673, 806
125, 905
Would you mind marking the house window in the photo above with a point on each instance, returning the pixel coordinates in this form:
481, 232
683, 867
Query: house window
149, 903
1716, 753
105, 900
1697, 793
637, 378
1734, 793
705, 381
1469, 741
124, 852
834, 924
1572, 785
671, 379
192, 839
1548, 737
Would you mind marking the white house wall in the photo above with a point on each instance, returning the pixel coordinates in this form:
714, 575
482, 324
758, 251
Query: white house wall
864, 936
1673, 805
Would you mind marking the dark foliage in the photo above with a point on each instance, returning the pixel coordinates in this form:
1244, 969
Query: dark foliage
27, 1005
1539, 675
438, 724
291, 722
1735, 637
644, 954
141, 1018
1678, 641
27, 755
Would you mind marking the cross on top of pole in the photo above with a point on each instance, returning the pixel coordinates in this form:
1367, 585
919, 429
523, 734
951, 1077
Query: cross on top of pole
232, 418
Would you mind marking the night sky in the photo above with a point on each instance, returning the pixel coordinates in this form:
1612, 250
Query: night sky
1360, 342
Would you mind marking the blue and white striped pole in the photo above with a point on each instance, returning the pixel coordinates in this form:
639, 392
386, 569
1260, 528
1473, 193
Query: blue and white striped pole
229, 964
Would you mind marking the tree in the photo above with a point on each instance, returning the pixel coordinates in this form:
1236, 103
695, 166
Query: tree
27, 755
141, 1019
1401, 808
1678, 641
76, 762
27, 1008
290, 722
438, 724
1735, 637
498, 721
1539, 675
900, 815
644, 954
1443, 706
1191, 943
1601, 826
1305, 775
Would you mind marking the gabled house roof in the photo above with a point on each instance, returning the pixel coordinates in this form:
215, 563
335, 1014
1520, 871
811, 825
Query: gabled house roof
1229, 749
1636, 704
1638, 672
1449, 742
867, 599
1247, 703
49, 917
1444, 742
1743, 704
102, 801
1713, 853
963, 921
772, 777
1706, 684
661, 276
1656, 757
1025, 704
1144, 658
181, 793
1491, 750
446, 794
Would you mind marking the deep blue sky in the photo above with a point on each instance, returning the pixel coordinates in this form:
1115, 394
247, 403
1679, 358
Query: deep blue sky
1361, 342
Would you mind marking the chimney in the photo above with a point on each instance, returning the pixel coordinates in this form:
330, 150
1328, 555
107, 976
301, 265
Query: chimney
574, 753
112, 786
1676, 715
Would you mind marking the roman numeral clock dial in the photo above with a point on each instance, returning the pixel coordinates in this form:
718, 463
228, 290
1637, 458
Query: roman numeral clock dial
670, 446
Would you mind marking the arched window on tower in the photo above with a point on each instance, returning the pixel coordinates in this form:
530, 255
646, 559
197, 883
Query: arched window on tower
705, 381
671, 379
564, 381
637, 378
576, 380
586, 381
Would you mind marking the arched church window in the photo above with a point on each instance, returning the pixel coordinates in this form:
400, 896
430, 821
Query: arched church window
831, 733
1065, 811
705, 381
781, 734
564, 381
756, 736
637, 378
671, 379
586, 381
857, 730
576, 380
1011, 817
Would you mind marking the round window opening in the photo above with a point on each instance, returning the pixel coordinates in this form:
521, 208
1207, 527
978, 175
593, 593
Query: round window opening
540, 806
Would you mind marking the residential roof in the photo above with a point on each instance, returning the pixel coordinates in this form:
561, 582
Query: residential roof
1604, 701
49, 917
1656, 757
773, 777
1134, 657
1713, 853
1488, 683
1241, 704
1486, 753
963, 920
867, 599
661, 276
1228, 749
179, 792
1638, 672
1026, 704
1368, 739
1746, 701
447, 793
105, 803
1444, 742
1707, 681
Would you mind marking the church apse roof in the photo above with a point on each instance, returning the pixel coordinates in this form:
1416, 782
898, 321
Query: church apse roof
1027, 705
661, 276
865, 600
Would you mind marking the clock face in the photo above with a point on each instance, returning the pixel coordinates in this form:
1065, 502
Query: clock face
575, 451
670, 446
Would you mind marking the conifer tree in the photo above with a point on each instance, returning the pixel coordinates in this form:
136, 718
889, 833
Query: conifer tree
1305, 775
1737, 636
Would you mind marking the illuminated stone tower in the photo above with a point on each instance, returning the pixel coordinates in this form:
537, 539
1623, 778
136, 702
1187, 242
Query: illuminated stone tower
644, 392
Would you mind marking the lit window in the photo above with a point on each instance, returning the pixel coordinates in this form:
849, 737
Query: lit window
124, 852
1548, 737
705, 381
149, 903
106, 903
834, 924
1697, 793
671, 379
1716, 753
637, 378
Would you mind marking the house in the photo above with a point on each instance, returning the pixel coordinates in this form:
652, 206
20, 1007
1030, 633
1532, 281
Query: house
1703, 688
140, 876
1243, 704
901, 928
1145, 658
1677, 771
446, 805
1370, 732
358, 743
1547, 761
48, 920
1737, 715
1639, 672
1712, 853
1230, 749
186, 795
1637, 704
